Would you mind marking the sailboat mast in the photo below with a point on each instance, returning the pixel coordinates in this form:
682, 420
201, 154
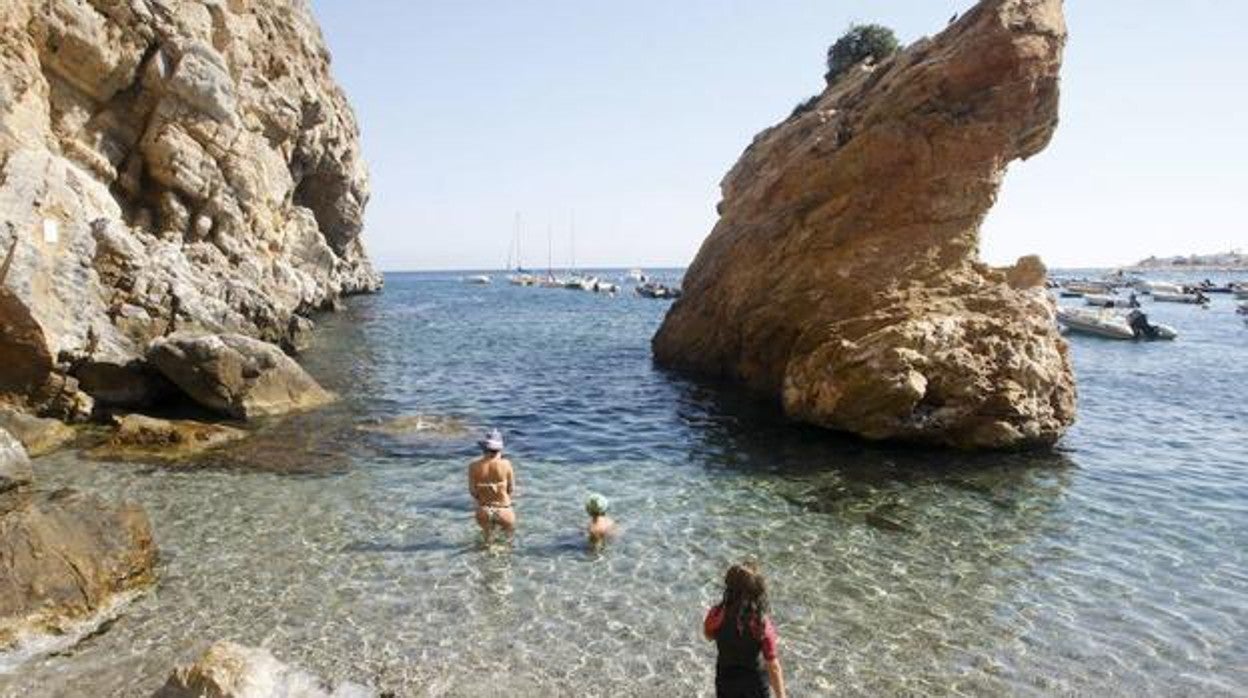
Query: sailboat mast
573, 226
550, 251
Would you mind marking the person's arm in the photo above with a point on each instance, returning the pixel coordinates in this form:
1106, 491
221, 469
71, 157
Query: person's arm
511, 480
776, 675
770, 641
472, 488
710, 626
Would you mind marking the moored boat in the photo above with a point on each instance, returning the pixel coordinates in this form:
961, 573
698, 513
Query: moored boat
1085, 287
657, 290
1168, 297
1111, 325
1159, 286
477, 279
1104, 300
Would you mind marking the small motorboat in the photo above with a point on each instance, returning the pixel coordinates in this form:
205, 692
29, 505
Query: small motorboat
1159, 287
477, 279
1083, 288
1208, 286
636, 275
1168, 297
1111, 325
657, 290
1104, 300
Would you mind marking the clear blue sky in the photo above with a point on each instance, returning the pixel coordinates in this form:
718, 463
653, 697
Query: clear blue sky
627, 114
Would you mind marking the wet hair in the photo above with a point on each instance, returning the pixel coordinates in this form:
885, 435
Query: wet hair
745, 595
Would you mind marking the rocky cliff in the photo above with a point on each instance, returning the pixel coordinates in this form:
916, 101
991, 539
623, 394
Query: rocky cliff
843, 275
165, 164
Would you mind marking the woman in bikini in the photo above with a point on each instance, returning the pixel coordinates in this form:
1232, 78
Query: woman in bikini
491, 482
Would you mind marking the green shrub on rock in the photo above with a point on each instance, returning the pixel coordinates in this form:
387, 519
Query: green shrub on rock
862, 41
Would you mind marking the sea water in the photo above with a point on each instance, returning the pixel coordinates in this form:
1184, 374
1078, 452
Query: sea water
343, 541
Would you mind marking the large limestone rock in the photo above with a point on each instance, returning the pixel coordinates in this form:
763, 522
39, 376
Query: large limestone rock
15, 468
237, 376
165, 164
38, 435
66, 555
230, 670
842, 277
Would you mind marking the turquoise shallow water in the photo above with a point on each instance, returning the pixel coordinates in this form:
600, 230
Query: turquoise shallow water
1113, 565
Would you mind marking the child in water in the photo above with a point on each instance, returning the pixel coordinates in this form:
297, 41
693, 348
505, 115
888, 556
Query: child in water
745, 637
600, 525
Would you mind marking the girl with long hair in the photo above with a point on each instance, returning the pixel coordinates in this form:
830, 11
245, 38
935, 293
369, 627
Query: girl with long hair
745, 637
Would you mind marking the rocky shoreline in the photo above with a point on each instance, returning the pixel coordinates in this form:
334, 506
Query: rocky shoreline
182, 192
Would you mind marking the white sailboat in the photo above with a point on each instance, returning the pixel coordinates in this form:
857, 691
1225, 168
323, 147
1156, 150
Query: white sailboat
520, 277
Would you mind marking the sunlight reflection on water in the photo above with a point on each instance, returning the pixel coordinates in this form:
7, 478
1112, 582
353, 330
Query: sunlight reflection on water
1115, 564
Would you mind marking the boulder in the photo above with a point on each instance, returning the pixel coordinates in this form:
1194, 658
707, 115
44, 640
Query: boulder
67, 555
140, 437
237, 376
38, 435
230, 670
166, 166
842, 279
132, 384
15, 468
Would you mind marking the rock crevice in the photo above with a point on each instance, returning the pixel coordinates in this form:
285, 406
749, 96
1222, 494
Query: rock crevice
843, 275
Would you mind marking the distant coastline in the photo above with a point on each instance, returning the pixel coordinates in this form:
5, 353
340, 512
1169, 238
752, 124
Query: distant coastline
1224, 261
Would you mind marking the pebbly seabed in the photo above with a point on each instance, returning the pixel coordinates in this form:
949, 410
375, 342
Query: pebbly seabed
341, 541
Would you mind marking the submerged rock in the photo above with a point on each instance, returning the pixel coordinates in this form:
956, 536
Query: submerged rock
38, 435
418, 425
237, 376
66, 555
165, 166
231, 670
139, 437
842, 277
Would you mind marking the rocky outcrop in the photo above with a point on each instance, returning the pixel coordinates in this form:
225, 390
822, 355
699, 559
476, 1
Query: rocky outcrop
139, 437
237, 376
66, 555
38, 435
15, 468
230, 670
842, 277
165, 164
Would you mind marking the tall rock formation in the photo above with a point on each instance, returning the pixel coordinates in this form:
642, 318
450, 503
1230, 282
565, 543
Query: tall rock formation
165, 163
843, 275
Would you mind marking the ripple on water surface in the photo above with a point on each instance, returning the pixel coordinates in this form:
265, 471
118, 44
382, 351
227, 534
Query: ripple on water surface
341, 539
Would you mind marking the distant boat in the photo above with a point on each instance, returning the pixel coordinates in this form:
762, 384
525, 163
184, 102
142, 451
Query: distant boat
521, 277
1102, 300
1081, 288
1158, 286
478, 279
657, 290
1167, 297
636, 275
